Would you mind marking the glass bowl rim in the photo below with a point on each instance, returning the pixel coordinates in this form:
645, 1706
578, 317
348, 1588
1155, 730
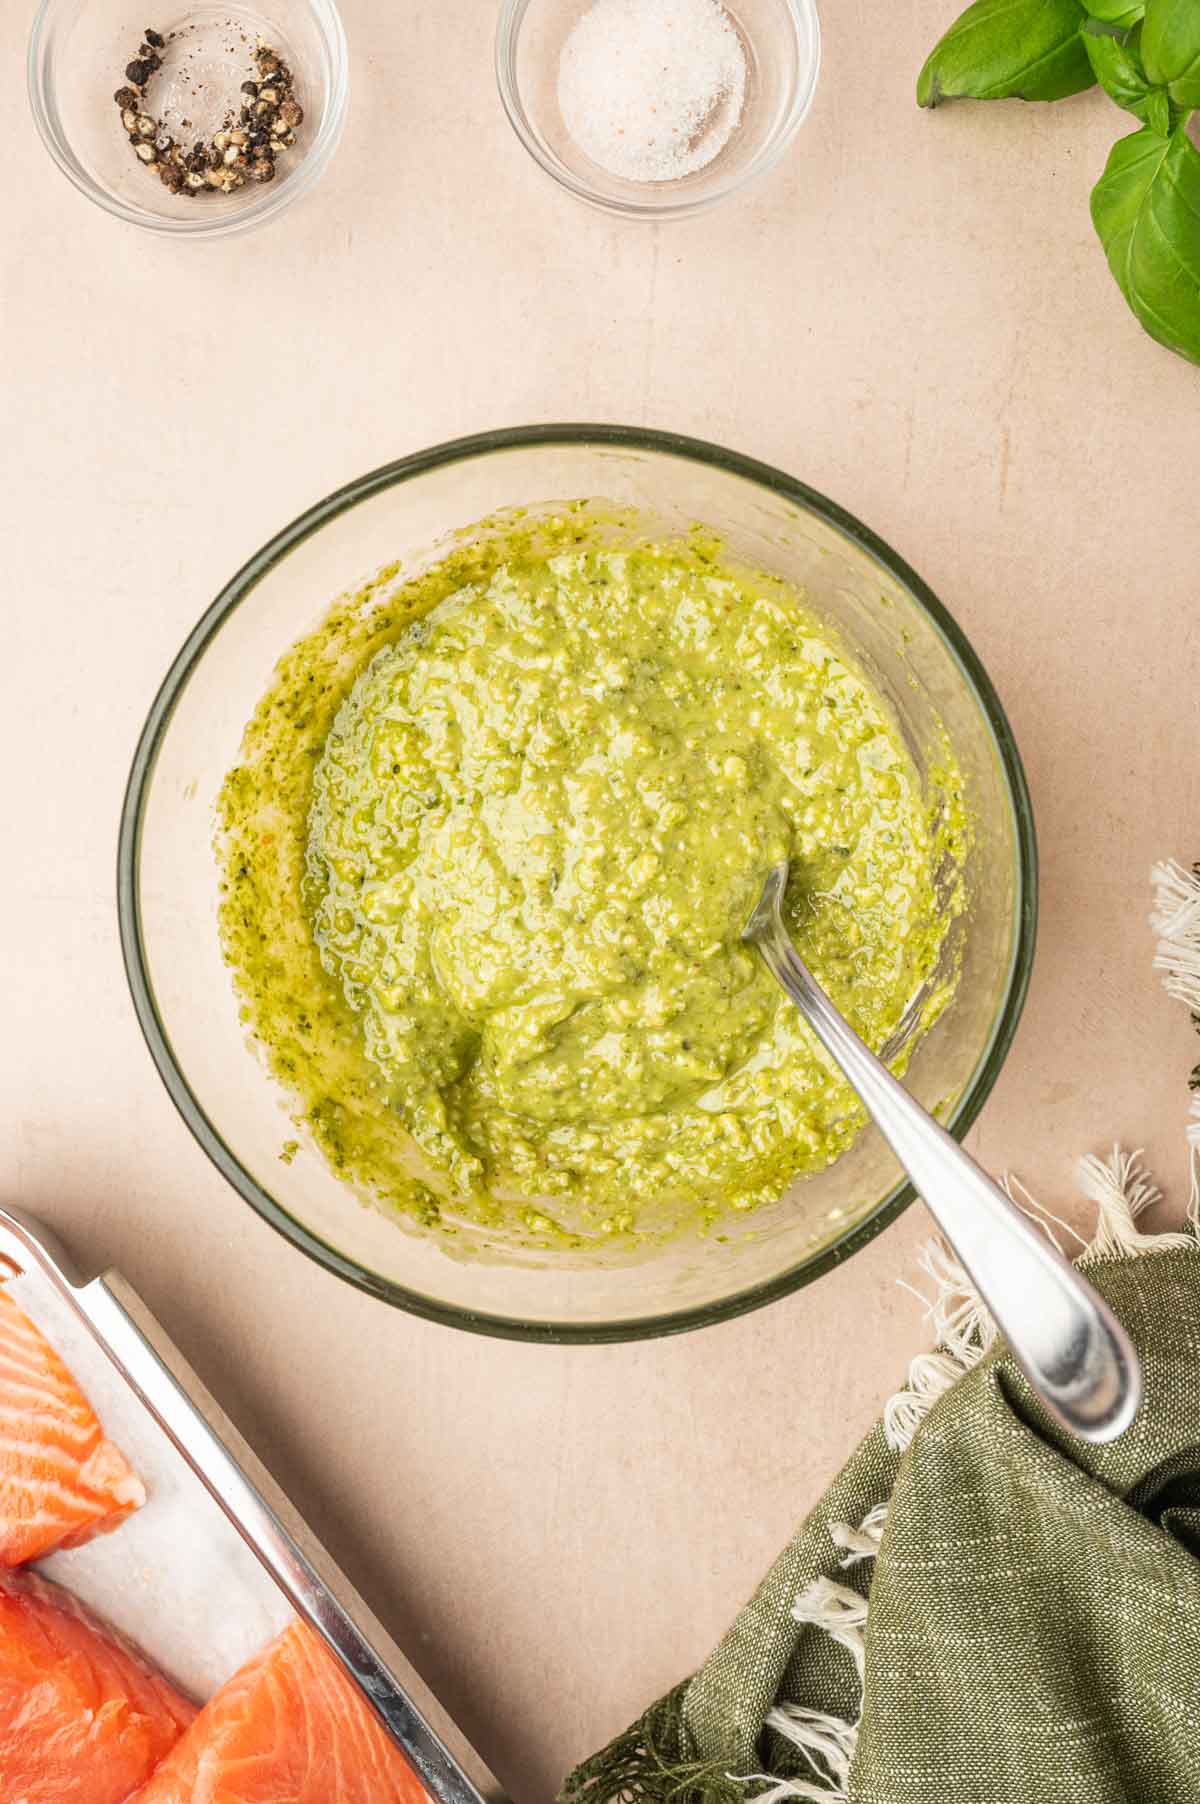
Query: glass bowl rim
509, 21
154, 731
272, 201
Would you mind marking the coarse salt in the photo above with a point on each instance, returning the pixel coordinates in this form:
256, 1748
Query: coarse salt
652, 90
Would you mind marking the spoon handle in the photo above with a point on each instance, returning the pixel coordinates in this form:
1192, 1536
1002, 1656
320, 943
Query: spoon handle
1071, 1347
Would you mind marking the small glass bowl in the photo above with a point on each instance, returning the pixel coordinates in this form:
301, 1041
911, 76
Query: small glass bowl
77, 56
782, 44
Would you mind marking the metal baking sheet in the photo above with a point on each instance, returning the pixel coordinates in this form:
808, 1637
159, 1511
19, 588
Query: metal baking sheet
217, 1561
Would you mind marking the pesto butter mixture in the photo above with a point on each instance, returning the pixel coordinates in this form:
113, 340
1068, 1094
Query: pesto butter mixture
535, 824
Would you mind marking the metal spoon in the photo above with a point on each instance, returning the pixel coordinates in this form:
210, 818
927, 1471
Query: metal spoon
1071, 1347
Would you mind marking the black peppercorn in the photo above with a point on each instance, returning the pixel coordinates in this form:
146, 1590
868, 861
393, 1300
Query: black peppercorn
268, 115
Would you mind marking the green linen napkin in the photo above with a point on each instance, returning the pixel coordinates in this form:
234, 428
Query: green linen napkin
979, 1610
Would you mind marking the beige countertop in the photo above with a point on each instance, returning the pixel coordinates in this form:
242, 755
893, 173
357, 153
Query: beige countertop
910, 314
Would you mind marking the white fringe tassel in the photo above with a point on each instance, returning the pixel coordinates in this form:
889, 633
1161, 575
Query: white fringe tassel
861, 1543
1122, 1189
841, 1612
1176, 921
930, 1376
956, 1313
827, 1743
1047, 1221
778, 1789
962, 1330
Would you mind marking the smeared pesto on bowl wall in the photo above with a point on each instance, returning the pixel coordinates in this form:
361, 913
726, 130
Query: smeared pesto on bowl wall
488, 854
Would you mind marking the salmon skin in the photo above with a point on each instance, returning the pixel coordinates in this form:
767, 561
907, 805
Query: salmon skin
289, 1728
83, 1717
61, 1481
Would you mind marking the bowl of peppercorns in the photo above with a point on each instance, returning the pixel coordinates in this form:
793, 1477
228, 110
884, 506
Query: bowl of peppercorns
197, 125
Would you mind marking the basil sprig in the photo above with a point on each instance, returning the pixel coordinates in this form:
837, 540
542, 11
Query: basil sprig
1146, 57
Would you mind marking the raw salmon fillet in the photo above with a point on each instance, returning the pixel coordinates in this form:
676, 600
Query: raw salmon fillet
61, 1482
83, 1719
289, 1728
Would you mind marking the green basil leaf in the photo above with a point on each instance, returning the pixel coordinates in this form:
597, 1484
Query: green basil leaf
1115, 12
1146, 210
1028, 49
1118, 68
1171, 48
1160, 114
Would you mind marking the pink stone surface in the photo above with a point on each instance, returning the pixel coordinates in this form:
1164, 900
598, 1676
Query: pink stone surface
910, 314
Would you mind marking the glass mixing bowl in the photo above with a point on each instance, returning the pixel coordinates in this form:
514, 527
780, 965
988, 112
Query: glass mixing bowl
901, 635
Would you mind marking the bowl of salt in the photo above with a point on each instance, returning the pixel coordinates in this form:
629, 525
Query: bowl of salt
656, 108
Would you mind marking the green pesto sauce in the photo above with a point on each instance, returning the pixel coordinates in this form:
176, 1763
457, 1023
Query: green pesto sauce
488, 856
